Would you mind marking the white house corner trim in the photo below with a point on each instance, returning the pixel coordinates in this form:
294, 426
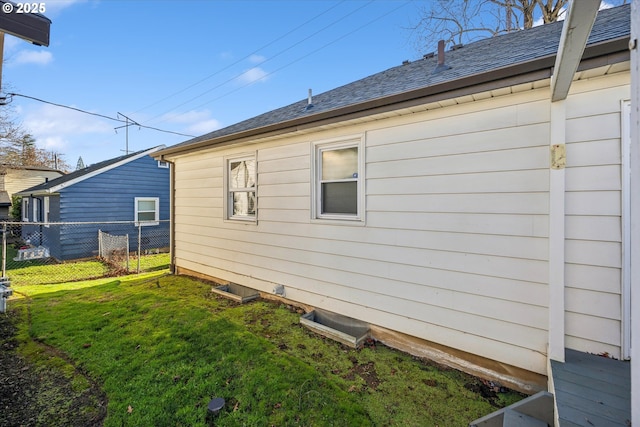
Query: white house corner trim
556, 331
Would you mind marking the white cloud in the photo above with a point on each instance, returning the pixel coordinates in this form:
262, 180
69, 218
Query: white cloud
563, 13
188, 117
257, 59
53, 143
54, 127
252, 75
203, 127
39, 57
196, 122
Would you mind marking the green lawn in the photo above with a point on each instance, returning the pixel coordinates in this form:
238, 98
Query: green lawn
163, 346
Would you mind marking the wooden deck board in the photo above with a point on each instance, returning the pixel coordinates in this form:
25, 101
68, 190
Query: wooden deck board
592, 391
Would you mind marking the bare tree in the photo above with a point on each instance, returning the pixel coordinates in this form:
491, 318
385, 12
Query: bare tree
464, 21
19, 148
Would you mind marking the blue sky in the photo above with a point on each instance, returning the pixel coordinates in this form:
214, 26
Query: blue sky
191, 66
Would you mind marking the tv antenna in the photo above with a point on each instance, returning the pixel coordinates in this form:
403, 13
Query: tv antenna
128, 122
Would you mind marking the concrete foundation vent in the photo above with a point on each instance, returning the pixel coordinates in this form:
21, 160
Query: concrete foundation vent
235, 292
348, 331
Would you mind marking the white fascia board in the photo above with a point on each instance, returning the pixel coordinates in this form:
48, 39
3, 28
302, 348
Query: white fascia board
575, 33
64, 185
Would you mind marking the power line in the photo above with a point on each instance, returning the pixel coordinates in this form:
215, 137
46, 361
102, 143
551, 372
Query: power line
271, 58
239, 60
304, 56
127, 122
66, 106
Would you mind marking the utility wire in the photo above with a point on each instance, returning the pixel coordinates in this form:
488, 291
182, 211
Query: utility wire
66, 106
241, 59
269, 59
305, 56
127, 123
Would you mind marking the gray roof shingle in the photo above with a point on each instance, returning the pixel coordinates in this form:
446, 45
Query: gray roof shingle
479, 57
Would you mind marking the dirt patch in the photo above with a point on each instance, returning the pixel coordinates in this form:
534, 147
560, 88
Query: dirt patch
38, 395
366, 371
487, 389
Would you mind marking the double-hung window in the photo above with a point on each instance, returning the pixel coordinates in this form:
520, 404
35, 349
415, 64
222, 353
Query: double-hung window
241, 202
147, 210
36, 210
339, 181
46, 211
25, 209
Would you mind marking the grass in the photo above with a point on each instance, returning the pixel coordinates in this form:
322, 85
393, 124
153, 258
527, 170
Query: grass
162, 346
37, 275
34, 273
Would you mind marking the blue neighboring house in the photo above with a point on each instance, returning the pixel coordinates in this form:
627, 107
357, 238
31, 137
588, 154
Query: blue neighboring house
132, 188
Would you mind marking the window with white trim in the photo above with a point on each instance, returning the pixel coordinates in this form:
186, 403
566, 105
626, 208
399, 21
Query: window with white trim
163, 164
46, 211
36, 210
338, 176
241, 200
25, 209
147, 211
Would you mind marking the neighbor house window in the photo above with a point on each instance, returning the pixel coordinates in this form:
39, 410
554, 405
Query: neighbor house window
163, 164
46, 211
241, 202
25, 209
338, 189
36, 210
147, 210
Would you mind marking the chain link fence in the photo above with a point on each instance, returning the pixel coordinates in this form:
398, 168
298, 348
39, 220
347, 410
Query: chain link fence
47, 253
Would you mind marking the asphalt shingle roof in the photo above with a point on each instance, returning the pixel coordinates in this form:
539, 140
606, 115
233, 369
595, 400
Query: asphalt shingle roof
479, 57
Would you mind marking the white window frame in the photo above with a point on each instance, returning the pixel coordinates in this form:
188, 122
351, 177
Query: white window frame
25, 209
229, 191
46, 211
318, 148
163, 164
36, 210
146, 223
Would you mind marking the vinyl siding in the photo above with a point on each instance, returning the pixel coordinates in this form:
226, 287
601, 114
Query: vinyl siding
593, 224
109, 196
454, 247
17, 180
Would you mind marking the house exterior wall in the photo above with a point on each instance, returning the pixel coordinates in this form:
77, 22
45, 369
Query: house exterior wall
593, 272
106, 197
16, 180
455, 247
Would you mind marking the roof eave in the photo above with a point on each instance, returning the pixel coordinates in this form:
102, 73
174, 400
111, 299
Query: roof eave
609, 52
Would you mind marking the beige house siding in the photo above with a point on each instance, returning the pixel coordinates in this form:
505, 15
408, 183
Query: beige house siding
16, 180
593, 223
454, 247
